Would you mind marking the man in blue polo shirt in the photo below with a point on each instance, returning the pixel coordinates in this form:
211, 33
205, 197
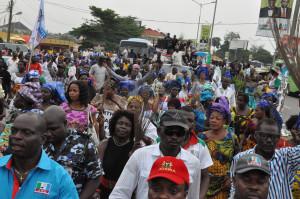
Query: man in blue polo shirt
186, 79
28, 172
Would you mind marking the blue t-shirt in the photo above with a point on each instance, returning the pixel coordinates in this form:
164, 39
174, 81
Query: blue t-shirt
47, 180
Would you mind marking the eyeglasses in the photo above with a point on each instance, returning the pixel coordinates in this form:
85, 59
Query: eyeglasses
267, 135
170, 132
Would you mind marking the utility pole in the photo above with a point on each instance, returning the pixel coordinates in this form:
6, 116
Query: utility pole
295, 18
212, 27
11, 4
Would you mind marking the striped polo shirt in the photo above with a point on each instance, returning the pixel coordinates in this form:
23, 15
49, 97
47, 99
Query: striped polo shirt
283, 166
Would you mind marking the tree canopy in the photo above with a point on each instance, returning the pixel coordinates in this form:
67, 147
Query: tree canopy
108, 28
258, 52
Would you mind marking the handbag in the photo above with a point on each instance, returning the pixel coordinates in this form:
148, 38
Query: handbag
91, 128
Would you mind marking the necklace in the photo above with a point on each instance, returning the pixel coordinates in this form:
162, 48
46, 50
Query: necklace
120, 144
21, 178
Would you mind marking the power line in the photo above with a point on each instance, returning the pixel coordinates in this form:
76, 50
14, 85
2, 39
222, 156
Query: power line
151, 20
68, 7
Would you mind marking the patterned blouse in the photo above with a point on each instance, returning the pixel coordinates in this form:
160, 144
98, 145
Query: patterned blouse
77, 119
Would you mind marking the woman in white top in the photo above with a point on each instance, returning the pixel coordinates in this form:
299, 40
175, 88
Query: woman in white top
17, 77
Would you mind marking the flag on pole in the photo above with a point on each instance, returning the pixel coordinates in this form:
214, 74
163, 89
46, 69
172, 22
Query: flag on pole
39, 32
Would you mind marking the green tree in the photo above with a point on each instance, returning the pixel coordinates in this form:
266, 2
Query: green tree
108, 28
232, 36
216, 42
225, 46
262, 55
1, 40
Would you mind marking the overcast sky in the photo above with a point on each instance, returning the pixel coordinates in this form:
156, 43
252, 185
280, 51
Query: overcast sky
61, 19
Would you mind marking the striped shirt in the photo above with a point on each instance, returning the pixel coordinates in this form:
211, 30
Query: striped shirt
283, 166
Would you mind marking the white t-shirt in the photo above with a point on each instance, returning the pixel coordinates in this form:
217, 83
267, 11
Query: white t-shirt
12, 65
45, 71
177, 58
125, 53
200, 150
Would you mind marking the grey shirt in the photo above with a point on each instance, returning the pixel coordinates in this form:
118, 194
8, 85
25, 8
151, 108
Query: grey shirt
99, 73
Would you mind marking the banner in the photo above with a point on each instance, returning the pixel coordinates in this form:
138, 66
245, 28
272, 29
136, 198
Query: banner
39, 32
205, 33
281, 9
291, 45
226, 55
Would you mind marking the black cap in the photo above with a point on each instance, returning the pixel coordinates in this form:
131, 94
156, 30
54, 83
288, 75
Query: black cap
174, 118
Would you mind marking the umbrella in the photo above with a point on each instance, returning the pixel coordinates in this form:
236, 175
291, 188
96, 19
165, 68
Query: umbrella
202, 54
216, 58
16, 38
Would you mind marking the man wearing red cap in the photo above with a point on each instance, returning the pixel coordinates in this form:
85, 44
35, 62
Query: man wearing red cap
169, 178
172, 130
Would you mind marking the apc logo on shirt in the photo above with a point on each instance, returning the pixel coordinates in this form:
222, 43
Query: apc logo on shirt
43, 188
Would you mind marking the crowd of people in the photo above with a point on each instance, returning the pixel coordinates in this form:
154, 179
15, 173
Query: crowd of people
97, 125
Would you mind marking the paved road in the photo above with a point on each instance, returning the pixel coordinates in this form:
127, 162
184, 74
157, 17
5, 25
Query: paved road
291, 107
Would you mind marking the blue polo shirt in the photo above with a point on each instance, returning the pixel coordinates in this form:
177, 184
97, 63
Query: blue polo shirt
47, 180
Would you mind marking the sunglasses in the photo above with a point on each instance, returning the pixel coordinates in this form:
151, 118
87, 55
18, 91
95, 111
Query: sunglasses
170, 132
267, 135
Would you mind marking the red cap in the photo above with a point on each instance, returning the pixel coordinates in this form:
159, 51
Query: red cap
171, 168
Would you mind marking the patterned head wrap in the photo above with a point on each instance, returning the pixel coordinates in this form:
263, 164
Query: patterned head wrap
207, 86
127, 84
205, 95
31, 91
162, 72
49, 55
227, 74
146, 87
84, 72
184, 71
57, 91
32, 74
171, 84
203, 70
179, 78
264, 104
221, 107
137, 99
273, 95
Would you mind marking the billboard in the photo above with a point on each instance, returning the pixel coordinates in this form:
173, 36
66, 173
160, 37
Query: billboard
205, 33
238, 44
281, 10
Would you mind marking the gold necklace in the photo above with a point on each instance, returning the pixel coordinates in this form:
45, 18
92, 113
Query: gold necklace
21, 178
118, 144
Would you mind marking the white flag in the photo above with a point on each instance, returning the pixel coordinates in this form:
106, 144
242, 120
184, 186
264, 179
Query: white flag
39, 32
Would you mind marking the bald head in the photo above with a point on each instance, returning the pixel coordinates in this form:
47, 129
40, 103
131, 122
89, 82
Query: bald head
56, 113
37, 121
56, 121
